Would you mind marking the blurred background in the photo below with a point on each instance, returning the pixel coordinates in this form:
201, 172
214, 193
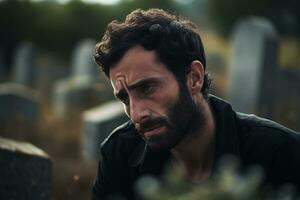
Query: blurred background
53, 96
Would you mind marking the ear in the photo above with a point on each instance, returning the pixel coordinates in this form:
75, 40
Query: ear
195, 77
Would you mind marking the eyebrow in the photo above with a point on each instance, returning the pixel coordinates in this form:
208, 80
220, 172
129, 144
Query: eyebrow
120, 94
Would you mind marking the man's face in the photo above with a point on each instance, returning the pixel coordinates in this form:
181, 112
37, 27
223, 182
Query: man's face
161, 110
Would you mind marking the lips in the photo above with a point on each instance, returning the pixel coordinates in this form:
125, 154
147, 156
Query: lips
152, 132
152, 127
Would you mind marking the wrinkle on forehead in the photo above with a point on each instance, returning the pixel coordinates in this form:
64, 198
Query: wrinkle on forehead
119, 83
124, 84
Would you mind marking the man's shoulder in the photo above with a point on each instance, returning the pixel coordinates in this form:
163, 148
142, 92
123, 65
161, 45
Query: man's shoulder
122, 134
261, 138
122, 139
254, 126
272, 146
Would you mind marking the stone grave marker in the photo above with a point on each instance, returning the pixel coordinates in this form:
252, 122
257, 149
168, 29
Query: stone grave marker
82, 60
254, 66
25, 171
86, 87
98, 123
16, 99
19, 112
24, 70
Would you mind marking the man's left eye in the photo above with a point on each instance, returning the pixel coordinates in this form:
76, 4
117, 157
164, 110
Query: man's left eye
147, 89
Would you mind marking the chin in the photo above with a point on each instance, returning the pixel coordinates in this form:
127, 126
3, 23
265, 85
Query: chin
157, 148
164, 142
160, 146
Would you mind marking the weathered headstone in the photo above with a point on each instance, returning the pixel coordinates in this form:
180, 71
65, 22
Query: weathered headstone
85, 87
254, 66
78, 93
83, 63
25, 171
98, 124
18, 100
24, 70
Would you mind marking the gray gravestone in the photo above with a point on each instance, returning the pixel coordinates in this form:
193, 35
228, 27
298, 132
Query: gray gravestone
82, 60
85, 87
98, 124
24, 65
254, 66
18, 101
25, 171
78, 93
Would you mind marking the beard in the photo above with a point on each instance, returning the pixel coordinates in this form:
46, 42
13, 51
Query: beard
183, 118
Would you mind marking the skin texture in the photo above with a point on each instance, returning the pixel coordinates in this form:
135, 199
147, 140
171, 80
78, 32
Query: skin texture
167, 114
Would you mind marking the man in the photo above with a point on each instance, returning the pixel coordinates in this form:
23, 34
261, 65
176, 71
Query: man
156, 65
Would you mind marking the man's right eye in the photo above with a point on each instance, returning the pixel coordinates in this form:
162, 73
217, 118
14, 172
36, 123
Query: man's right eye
124, 99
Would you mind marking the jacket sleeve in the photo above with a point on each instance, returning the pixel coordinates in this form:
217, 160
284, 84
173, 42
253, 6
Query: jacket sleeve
113, 179
102, 185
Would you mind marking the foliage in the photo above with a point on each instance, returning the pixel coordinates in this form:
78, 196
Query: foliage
227, 184
58, 27
283, 14
226, 12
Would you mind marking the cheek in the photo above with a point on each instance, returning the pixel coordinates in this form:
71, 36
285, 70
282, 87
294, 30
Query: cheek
163, 101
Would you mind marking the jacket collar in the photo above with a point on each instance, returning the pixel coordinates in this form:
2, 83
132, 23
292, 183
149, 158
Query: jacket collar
226, 137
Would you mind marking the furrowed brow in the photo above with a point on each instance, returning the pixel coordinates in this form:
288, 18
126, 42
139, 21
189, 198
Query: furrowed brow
142, 83
123, 92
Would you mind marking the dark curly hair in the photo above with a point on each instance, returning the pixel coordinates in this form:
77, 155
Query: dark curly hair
175, 41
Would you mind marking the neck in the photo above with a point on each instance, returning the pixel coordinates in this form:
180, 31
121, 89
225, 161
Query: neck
196, 152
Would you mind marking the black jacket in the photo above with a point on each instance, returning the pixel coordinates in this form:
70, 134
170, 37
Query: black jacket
253, 140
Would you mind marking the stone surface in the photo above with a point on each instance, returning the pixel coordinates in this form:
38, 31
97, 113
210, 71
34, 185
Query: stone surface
82, 60
25, 171
24, 69
257, 83
254, 66
85, 87
98, 123
18, 101
76, 94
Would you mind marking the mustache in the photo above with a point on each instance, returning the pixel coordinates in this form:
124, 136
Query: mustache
151, 123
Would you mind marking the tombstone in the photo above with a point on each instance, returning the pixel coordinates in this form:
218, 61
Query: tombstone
254, 66
25, 171
83, 63
16, 99
24, 70
19, 111
76, 94
86, 87
98, 123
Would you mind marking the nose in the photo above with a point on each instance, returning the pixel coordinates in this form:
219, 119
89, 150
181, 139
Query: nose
138, 110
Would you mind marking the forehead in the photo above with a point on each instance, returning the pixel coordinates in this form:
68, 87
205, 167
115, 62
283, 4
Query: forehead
136, 65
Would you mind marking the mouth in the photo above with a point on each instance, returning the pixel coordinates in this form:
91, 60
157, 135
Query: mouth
153, 132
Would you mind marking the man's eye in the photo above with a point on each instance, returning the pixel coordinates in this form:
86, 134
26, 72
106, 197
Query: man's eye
124, 99
146, 90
